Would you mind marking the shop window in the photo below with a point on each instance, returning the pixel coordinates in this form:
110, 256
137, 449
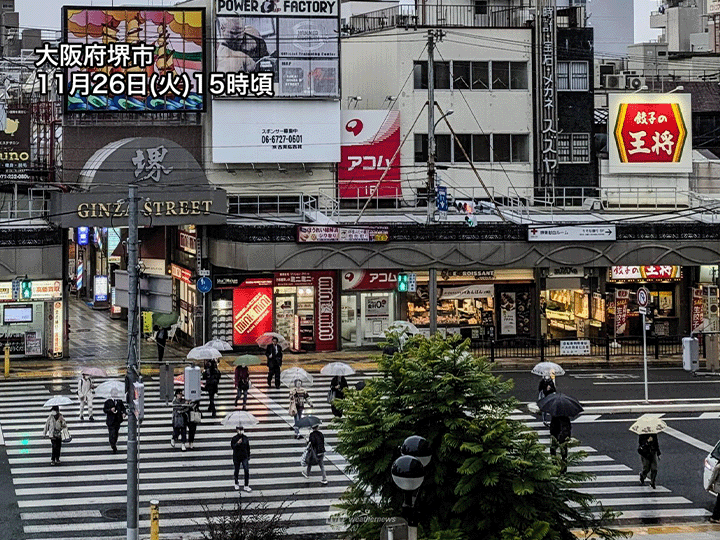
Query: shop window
501, 148
461, 75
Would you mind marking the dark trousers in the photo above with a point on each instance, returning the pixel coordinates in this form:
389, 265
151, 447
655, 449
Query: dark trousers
192, 428
211, 406
716, 510
650, 467
113, 432
276, 372
161, 349
243, 391
179, 433
246, 469
56, 446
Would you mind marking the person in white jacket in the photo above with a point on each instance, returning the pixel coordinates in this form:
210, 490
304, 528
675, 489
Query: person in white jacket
85, 392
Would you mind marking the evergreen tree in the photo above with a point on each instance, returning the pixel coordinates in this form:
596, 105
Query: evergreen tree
489, 477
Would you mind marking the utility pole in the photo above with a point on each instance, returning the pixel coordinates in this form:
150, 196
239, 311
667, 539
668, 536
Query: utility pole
133, 369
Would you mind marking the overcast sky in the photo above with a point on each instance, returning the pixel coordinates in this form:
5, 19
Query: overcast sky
46, 14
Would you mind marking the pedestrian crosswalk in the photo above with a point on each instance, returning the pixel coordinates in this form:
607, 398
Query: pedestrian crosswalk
616, 486
85, 497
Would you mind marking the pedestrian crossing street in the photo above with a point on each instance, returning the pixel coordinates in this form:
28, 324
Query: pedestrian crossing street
84, 498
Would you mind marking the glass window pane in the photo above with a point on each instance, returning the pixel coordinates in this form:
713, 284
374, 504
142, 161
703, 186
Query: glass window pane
420, 76
481, 7
442, 75
421, 148
518, 75
461, 75
581, 148
520, 148
501, 148
579, 75
563, 76
442, 149
480, 77
500, 75
563, 147
481, 148
459, 157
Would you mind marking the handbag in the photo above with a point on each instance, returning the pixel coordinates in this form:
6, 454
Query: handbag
65, 435
195, 417
331, 395
309, 457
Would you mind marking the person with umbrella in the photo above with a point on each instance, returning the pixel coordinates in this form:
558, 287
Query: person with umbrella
85, 395
114, 409
53, 430
317, 444
649, 451
299, 397
242, 384
161, 337
337, 385
211, 375
560, 431
240, 445
274, 354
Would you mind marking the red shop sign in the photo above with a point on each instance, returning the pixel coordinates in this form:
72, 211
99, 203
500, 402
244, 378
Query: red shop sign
650, 133
369, 280
183, 274
252, 314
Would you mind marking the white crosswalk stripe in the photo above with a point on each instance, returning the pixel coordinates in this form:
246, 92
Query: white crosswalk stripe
84, 498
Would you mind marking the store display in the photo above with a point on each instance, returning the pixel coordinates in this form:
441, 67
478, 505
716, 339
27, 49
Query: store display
221, 326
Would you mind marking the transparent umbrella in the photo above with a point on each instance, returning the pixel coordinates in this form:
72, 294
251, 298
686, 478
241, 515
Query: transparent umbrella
110, 389
58, 400
290, 375
337, 369
204, 353
94, 372
545, 369
240, 418
219, 344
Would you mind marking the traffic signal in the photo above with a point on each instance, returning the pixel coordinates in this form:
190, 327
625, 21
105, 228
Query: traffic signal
403, 281
26, 289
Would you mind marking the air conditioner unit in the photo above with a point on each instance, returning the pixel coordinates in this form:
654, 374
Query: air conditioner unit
615, 82
635, 83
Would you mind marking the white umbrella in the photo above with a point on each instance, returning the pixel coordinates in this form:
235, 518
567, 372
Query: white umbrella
219, 344
110, 389
404, 326
204, 353
58, 400
546, 369
94, 372
266, 339
648, 424
240, 418
337, 369
290, 375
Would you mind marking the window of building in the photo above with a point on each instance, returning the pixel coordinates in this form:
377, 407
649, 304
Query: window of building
518, 75
420, 75
480, 76
481, 148
442, 75
500, 75
501, 147
662, 53
461, 75
506, 148
520, 148
481, 7
443, 148
421, 148
466, 142
573, 147
572, 76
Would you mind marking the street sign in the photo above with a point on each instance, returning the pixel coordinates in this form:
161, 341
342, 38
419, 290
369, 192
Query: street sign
642, 310
204, 284
643, 296
203, 273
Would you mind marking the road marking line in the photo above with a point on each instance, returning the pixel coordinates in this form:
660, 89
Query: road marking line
688, 439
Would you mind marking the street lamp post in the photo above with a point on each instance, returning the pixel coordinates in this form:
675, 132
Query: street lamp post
408, 473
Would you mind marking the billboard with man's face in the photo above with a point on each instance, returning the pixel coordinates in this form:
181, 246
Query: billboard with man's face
297, 42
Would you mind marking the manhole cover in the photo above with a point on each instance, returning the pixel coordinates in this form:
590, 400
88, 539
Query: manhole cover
115, 514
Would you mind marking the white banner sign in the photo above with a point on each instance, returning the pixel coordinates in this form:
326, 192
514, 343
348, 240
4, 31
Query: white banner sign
575, 347
276, 131
508, 314
572, 233
471, 291
377, 306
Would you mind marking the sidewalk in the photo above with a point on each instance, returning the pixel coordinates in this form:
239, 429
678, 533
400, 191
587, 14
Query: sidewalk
690, 531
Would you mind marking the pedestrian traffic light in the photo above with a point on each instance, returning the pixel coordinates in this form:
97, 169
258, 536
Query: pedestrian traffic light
402, 282
26, 289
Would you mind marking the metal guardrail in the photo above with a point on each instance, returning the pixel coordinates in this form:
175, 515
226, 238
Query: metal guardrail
597, 199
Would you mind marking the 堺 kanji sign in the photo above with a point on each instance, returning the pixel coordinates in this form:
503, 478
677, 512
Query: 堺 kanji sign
650, 133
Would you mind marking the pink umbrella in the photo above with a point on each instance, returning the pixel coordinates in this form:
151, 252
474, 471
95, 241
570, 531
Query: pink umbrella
266, 339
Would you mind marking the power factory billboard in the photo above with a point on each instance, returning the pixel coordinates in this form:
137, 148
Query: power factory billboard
650, 133
130, 59
297, 42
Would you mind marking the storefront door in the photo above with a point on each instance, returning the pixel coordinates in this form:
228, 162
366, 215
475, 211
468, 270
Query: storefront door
285, 316
350, 329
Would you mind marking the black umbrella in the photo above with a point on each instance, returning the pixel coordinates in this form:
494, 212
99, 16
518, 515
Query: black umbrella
558, 404
308, 421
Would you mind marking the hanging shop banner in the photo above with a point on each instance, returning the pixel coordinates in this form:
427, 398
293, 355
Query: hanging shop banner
369, 140
369, 280
183, 274
14, 144
326, 298
651, 133
697, 311
316, 233
645, 273
58, 329
471, 291
622, 297
508, 314
252, 314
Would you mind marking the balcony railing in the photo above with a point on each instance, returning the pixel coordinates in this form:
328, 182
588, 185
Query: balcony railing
466, 16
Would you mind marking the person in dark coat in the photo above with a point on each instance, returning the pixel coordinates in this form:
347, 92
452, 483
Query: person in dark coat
337, 385
560, 430
547, 387
192, 406
242, 384
211, 375
274, 355
649, 451
114, 409
180, 417
161, 336
317, 442
241, 456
